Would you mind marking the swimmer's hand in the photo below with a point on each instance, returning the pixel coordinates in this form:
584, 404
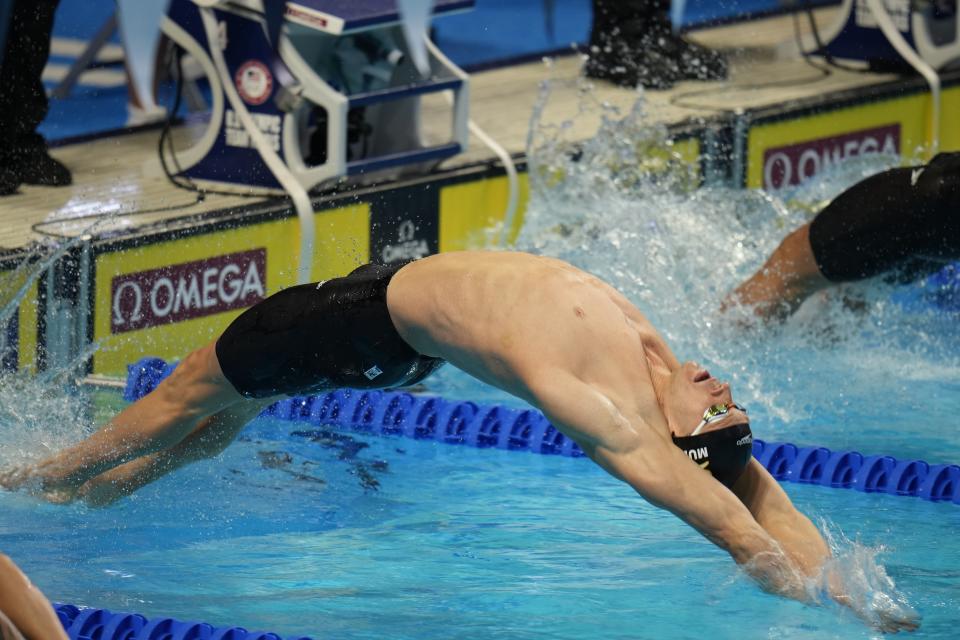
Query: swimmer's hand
895, 622
877, 609
887, 617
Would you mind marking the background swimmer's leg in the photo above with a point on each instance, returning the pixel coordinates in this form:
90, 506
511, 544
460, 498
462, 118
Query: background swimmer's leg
789, 276
25, 605
209, 439
903, 219
195, 390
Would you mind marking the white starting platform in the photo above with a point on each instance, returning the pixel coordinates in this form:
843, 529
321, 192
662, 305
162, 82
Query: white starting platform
323, 90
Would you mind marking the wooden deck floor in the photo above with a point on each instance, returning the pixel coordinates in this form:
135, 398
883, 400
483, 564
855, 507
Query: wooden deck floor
119, 183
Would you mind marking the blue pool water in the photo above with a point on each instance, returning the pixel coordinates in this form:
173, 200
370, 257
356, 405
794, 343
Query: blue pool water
390, 538
455, 543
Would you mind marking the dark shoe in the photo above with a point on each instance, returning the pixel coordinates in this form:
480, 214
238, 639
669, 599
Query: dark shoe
697, 62
629, 62
648, 52
36, 166
9, 181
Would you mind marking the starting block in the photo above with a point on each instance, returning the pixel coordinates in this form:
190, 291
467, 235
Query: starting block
930, 27
331, 85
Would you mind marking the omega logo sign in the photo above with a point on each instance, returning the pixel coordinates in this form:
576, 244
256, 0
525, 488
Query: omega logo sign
791, 165
407, 247
187, 290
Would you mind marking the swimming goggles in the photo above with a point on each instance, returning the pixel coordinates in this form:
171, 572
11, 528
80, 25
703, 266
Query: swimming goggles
714, 413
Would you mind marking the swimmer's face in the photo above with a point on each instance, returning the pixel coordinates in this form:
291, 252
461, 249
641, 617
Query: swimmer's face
692, 391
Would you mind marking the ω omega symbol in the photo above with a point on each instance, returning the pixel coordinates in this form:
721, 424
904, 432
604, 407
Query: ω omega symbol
406, 231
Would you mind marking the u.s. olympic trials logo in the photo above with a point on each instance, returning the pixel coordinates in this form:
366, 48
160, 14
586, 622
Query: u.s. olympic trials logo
254, 82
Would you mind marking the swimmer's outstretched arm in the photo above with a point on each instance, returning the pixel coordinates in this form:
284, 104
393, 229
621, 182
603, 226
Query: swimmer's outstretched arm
646, 460
802, 542
26, 606
764, 533
772, 509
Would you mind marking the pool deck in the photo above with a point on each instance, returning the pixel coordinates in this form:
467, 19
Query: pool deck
118, 182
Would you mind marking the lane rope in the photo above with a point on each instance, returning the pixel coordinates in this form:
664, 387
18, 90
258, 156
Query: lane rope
82, 623
426, 417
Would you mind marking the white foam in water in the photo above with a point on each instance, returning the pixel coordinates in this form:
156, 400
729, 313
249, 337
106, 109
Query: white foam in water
39, 414
872, 592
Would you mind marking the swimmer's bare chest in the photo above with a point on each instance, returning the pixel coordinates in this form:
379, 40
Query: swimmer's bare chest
504, 321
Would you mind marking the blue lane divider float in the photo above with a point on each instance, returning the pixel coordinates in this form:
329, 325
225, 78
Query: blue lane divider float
101, 624
943, 288
426, 417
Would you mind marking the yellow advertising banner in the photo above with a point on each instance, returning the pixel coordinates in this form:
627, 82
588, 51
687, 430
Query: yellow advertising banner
472, 214
170, 297
788, 151
27, 327
19, 323
950, 119
688, 148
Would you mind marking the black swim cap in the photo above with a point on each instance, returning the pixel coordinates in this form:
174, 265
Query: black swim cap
724, 452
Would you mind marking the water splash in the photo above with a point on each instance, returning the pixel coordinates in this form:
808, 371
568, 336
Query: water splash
856, 572
39, 413
856, 359
852, 579
39, 416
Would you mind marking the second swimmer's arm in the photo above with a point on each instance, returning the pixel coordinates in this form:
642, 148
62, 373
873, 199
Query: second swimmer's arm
804, 544
665, 477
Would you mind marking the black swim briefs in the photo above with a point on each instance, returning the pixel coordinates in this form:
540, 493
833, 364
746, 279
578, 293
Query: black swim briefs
321, 336
904, 221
